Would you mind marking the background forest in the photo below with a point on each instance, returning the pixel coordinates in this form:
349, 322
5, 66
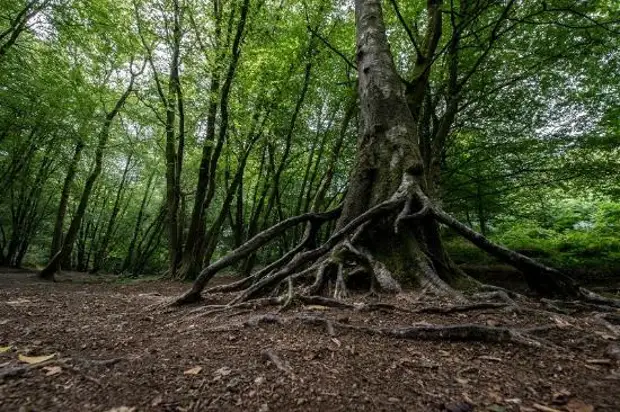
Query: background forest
131, 131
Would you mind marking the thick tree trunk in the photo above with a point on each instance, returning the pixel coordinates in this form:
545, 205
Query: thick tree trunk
387, 153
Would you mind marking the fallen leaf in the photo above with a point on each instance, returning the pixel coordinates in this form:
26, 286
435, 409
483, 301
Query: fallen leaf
33, 360
5, 349
560, 322
223, 371
575, 405
598, 361
122, 409
543, 408
52, 370
496, 408
316, 307
193, 371
462, 381
490, 358
605, 336
336, 341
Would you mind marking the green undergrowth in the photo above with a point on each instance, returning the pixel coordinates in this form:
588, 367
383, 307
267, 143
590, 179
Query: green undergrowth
585, 240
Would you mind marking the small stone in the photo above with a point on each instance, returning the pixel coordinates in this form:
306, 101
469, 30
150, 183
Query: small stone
264, 408
393, 400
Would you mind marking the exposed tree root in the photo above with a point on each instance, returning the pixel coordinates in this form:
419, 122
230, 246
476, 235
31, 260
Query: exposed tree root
462, 308
209, 310
339, 257
304, 258
499, 294
541, 278
370, 307
340, 287
466, 332
248, 248
611, 321
254, 321
427, 332
568, 307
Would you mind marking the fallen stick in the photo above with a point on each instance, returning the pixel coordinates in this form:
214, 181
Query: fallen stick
270, 355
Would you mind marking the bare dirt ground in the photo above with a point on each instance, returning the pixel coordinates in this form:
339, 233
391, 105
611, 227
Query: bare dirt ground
113, 349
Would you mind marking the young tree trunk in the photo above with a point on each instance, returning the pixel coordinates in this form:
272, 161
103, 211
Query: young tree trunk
205, 189
102, 249
136, 231
172, 157
54, 264
64, 198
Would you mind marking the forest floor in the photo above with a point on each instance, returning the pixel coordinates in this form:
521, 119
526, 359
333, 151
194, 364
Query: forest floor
111, 349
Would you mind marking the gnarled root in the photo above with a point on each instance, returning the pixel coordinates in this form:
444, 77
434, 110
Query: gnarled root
351, 249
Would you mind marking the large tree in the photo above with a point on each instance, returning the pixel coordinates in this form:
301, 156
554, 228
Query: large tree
387, 226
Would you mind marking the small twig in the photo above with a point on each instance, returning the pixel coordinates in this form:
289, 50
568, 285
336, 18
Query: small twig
20, 370
269, 354
79, 372
543, 408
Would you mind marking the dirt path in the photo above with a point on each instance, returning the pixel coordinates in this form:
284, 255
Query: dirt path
111, 351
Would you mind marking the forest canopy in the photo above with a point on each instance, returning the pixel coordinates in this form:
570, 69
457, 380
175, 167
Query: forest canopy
154, 137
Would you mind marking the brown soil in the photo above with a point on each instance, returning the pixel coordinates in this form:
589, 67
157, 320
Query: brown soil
115, 349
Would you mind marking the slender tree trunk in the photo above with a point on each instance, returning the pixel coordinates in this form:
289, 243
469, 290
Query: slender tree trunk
102, 250
64, 198
326, 181
136, 231
275, 184
54, 264
205, 190
149, 242
18, 25
214, 231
